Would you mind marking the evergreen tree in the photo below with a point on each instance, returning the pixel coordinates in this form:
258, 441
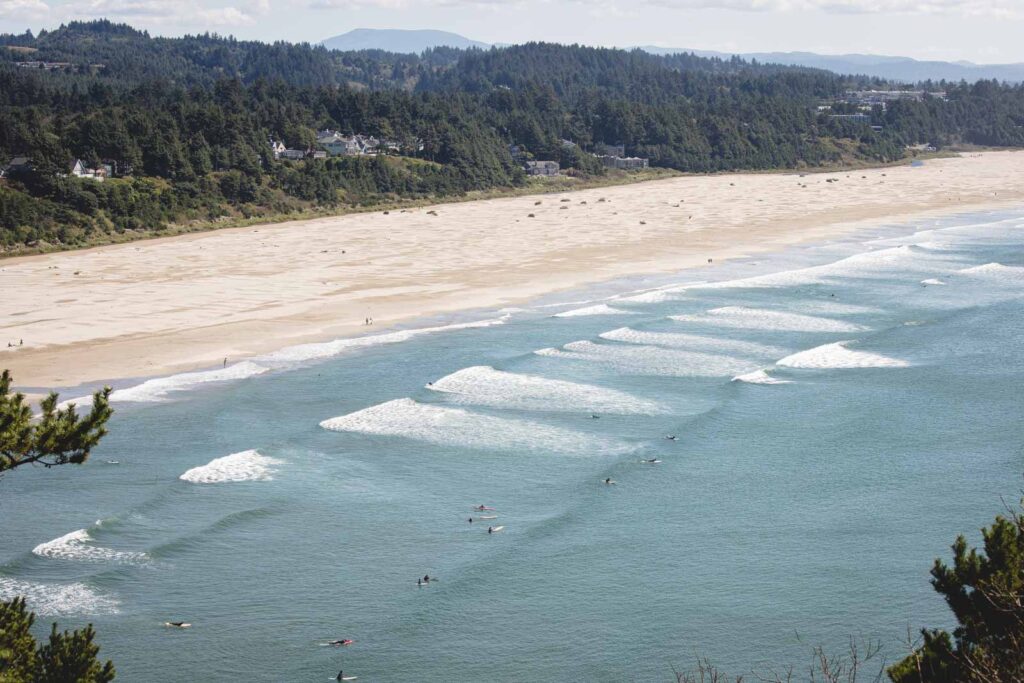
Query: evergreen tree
57, 437
985, 592
67, 656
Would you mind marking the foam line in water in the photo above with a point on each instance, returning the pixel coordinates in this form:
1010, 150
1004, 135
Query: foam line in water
599, 309
483, 385
57, 599
877, 263
654, 296
77, 546
651, 360
764, 319
759, 377
462, 428
932, 281
680, 340
157, 390
245, 466
836, 356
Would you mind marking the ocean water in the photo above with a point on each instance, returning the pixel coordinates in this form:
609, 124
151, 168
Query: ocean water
841, 413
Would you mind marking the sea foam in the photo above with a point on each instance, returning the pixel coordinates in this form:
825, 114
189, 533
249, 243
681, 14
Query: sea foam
245, 466
680, 340
483, 385
651, 360
764, 319
457, 427
337, 347
996, 272
599, 309
759, 377
836, 355
77, 546
58, 599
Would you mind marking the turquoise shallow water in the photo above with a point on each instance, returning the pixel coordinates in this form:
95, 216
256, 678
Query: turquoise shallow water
798, 506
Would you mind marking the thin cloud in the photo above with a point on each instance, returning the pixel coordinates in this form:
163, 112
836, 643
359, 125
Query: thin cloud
171, 12
996, 8
23, 9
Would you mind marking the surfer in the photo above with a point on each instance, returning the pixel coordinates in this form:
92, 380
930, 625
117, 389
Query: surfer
490, 529
595, 417
652, 460
178, 624
609, 481
671, 437
343, 641
426, 578
419, 582
470, 520
339, 677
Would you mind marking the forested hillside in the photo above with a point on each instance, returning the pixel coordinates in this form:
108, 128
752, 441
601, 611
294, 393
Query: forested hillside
185, 124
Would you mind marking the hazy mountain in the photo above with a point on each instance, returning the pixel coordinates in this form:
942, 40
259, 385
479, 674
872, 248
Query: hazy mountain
891, 68
398, 40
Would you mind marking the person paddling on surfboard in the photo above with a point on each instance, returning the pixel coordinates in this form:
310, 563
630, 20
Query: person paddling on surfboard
490, 529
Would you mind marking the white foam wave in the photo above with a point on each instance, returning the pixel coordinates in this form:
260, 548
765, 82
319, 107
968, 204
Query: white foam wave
599, 309
77, 546
158, 389
833, 307
483, 385
57, 599
835, 356
654, 296
692, 341
651, 360
457, 427
320, 350
764, 319
932, 281
759, 377
996, 272
245, 466
878, 263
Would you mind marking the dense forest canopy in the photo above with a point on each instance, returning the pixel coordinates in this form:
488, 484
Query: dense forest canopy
186, 123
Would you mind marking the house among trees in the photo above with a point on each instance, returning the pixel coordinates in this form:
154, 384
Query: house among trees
15, 166
623, 163
80, 170
337, 144
542, 168
602, 149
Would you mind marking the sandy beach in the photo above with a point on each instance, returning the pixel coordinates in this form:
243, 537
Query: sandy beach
168, 305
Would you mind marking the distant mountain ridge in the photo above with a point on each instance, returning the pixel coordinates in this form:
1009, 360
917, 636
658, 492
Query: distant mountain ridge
399, 40
903, 69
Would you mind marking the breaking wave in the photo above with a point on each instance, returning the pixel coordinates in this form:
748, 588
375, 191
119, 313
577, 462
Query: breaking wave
759, 377
829, 356
764, 319
77, 547
599, 309
681, 340
245, 466
996, 272
457, 427
483, 385
58, 599
651, 360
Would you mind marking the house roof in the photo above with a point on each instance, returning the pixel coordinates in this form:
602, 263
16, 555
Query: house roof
15, 162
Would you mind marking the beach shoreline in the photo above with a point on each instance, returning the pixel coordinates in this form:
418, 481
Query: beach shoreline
175, 304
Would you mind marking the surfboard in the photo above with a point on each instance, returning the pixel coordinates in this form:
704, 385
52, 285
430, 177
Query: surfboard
496, 529
489, 517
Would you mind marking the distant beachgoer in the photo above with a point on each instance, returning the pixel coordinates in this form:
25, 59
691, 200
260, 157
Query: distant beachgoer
21, 342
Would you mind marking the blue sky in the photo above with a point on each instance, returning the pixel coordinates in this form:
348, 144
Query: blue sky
984, 31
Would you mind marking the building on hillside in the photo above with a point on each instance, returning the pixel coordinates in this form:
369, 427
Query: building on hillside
276, 148
542, 168
291, 154
602, 149
853, 118
16, 165
623, 163
80, 170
